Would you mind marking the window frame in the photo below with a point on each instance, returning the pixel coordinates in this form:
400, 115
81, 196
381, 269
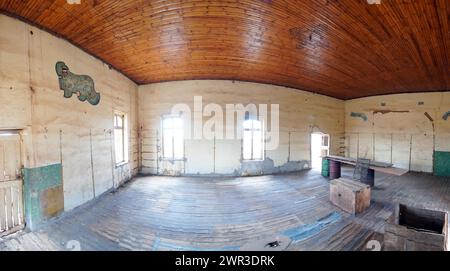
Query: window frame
124, 143
172, 157
253, 130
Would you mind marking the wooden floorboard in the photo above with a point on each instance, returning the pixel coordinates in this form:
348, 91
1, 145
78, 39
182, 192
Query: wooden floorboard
187, 213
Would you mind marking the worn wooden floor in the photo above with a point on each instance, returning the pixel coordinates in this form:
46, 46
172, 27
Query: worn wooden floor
164, 213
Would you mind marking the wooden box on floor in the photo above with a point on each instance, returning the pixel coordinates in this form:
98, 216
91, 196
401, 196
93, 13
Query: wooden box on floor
412, 229
349, 195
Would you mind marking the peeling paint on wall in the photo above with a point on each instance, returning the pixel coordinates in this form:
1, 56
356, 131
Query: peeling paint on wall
267, 166
446, 115
358, 115
386, 111
43, 193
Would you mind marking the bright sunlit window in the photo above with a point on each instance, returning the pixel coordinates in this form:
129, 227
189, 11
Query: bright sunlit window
253, 140
173, 138
120, 143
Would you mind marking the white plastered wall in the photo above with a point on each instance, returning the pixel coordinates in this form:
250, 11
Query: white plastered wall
300, 113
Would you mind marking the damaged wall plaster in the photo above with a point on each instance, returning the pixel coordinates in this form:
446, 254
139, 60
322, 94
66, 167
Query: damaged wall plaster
43, 194
358, 115
446, 115
267, 166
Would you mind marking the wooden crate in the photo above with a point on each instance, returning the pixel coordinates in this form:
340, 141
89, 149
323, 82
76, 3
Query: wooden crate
351, 196
412, 229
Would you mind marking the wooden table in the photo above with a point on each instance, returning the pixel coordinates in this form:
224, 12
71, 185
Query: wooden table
334, 168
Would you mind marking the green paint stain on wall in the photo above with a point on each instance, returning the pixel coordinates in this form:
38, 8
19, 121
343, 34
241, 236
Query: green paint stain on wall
442, 163
358, 115
37, 181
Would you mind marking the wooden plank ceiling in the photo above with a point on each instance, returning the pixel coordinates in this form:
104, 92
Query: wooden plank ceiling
340, 48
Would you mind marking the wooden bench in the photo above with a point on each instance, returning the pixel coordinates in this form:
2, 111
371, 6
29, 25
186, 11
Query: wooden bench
351, 196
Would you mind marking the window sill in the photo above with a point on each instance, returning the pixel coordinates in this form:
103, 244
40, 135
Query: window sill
121, 164
173, 160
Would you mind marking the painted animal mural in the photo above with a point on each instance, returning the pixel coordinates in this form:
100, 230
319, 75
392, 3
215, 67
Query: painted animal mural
81, 85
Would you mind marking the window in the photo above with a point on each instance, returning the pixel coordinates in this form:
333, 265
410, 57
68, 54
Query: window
325, 139
253, 140
120, 142
173, 138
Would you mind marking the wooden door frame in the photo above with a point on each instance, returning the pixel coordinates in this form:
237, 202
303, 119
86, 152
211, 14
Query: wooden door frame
310, 144
20, 133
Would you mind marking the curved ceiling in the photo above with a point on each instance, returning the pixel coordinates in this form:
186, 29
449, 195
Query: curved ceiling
340, 48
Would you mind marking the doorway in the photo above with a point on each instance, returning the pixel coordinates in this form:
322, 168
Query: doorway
11, 184
320, 147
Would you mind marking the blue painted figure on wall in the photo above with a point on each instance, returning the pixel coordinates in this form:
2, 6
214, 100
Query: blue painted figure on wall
358, 115
446, 115
81, 85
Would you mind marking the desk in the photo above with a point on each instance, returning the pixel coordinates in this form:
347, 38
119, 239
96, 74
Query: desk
334, 168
